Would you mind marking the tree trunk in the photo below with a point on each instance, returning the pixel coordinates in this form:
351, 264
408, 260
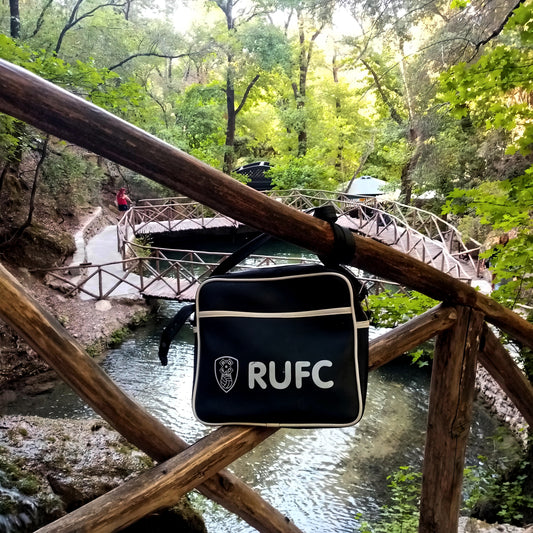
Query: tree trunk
338, 107
14, 12
406, 187
231, 121
300, 95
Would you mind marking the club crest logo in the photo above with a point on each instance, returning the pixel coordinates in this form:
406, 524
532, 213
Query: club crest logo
226, 372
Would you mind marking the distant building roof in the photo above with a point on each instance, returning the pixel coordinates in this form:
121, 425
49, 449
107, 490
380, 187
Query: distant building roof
256, 174
365, 186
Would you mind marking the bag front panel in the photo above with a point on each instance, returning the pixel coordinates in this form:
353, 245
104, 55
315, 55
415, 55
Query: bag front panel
273, 371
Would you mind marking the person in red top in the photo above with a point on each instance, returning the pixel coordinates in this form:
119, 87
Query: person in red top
122, 199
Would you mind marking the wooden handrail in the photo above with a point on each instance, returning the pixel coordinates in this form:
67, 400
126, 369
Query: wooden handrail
44, 334
56, 111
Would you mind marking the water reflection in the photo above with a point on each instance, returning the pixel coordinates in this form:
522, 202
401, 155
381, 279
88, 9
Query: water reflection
319, 478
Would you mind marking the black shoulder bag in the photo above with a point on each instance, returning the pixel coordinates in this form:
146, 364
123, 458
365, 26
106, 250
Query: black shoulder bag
279, 346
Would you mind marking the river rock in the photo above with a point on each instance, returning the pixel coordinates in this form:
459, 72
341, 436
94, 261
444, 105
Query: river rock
471, 525
50, 467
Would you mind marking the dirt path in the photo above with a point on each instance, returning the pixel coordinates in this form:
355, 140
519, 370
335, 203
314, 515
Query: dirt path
90, 322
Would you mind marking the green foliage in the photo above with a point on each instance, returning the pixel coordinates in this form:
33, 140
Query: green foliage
505, 207
302, 173
266, 46
199, 122
471, 228
71, 179
506, 488
494, 90
401, 515
104, 88
494, 93
389, 310
390, 155
9, 137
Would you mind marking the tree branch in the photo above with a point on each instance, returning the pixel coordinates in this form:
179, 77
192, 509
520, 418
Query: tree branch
73, 20
28, 221
393, 113
148, 54
246, 93
40, 20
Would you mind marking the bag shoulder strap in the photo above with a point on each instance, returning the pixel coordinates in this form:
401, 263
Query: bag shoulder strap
343, 252
171, 331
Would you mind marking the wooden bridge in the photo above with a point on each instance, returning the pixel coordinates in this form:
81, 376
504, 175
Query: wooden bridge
411, 230
460, 325
157, 272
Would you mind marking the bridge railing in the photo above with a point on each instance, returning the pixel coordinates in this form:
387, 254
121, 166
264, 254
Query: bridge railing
168, 216
169, 273
408, 227
423, 221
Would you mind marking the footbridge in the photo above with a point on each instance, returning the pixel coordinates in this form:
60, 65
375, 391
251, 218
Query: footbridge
172, 273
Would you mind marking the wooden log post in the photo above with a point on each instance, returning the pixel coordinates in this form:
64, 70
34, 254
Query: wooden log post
449, 416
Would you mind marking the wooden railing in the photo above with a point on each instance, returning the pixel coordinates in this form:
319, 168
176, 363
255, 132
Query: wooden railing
414, 231
159, 274
460, 326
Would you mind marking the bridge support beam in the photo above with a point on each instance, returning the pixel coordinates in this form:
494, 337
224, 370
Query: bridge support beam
449, 416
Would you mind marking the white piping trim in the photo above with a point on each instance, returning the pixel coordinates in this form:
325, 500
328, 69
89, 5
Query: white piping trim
283, 314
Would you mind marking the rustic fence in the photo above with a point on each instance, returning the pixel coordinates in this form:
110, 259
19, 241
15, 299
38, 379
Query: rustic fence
460, 326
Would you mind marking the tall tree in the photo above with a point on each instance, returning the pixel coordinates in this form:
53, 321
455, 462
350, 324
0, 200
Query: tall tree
233, 52
423, 38
312, 16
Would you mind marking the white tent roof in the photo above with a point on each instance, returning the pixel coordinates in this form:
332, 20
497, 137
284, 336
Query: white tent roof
366, 186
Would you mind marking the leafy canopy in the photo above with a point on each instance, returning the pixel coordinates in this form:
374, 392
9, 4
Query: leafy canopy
494, 93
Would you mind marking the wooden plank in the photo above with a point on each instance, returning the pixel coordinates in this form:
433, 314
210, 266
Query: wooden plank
53, 343
497, 360
449, 416
403, 338
162, 486
54, 110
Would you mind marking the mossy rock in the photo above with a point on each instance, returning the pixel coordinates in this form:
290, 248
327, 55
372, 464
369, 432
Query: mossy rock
38, 247
56, 466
